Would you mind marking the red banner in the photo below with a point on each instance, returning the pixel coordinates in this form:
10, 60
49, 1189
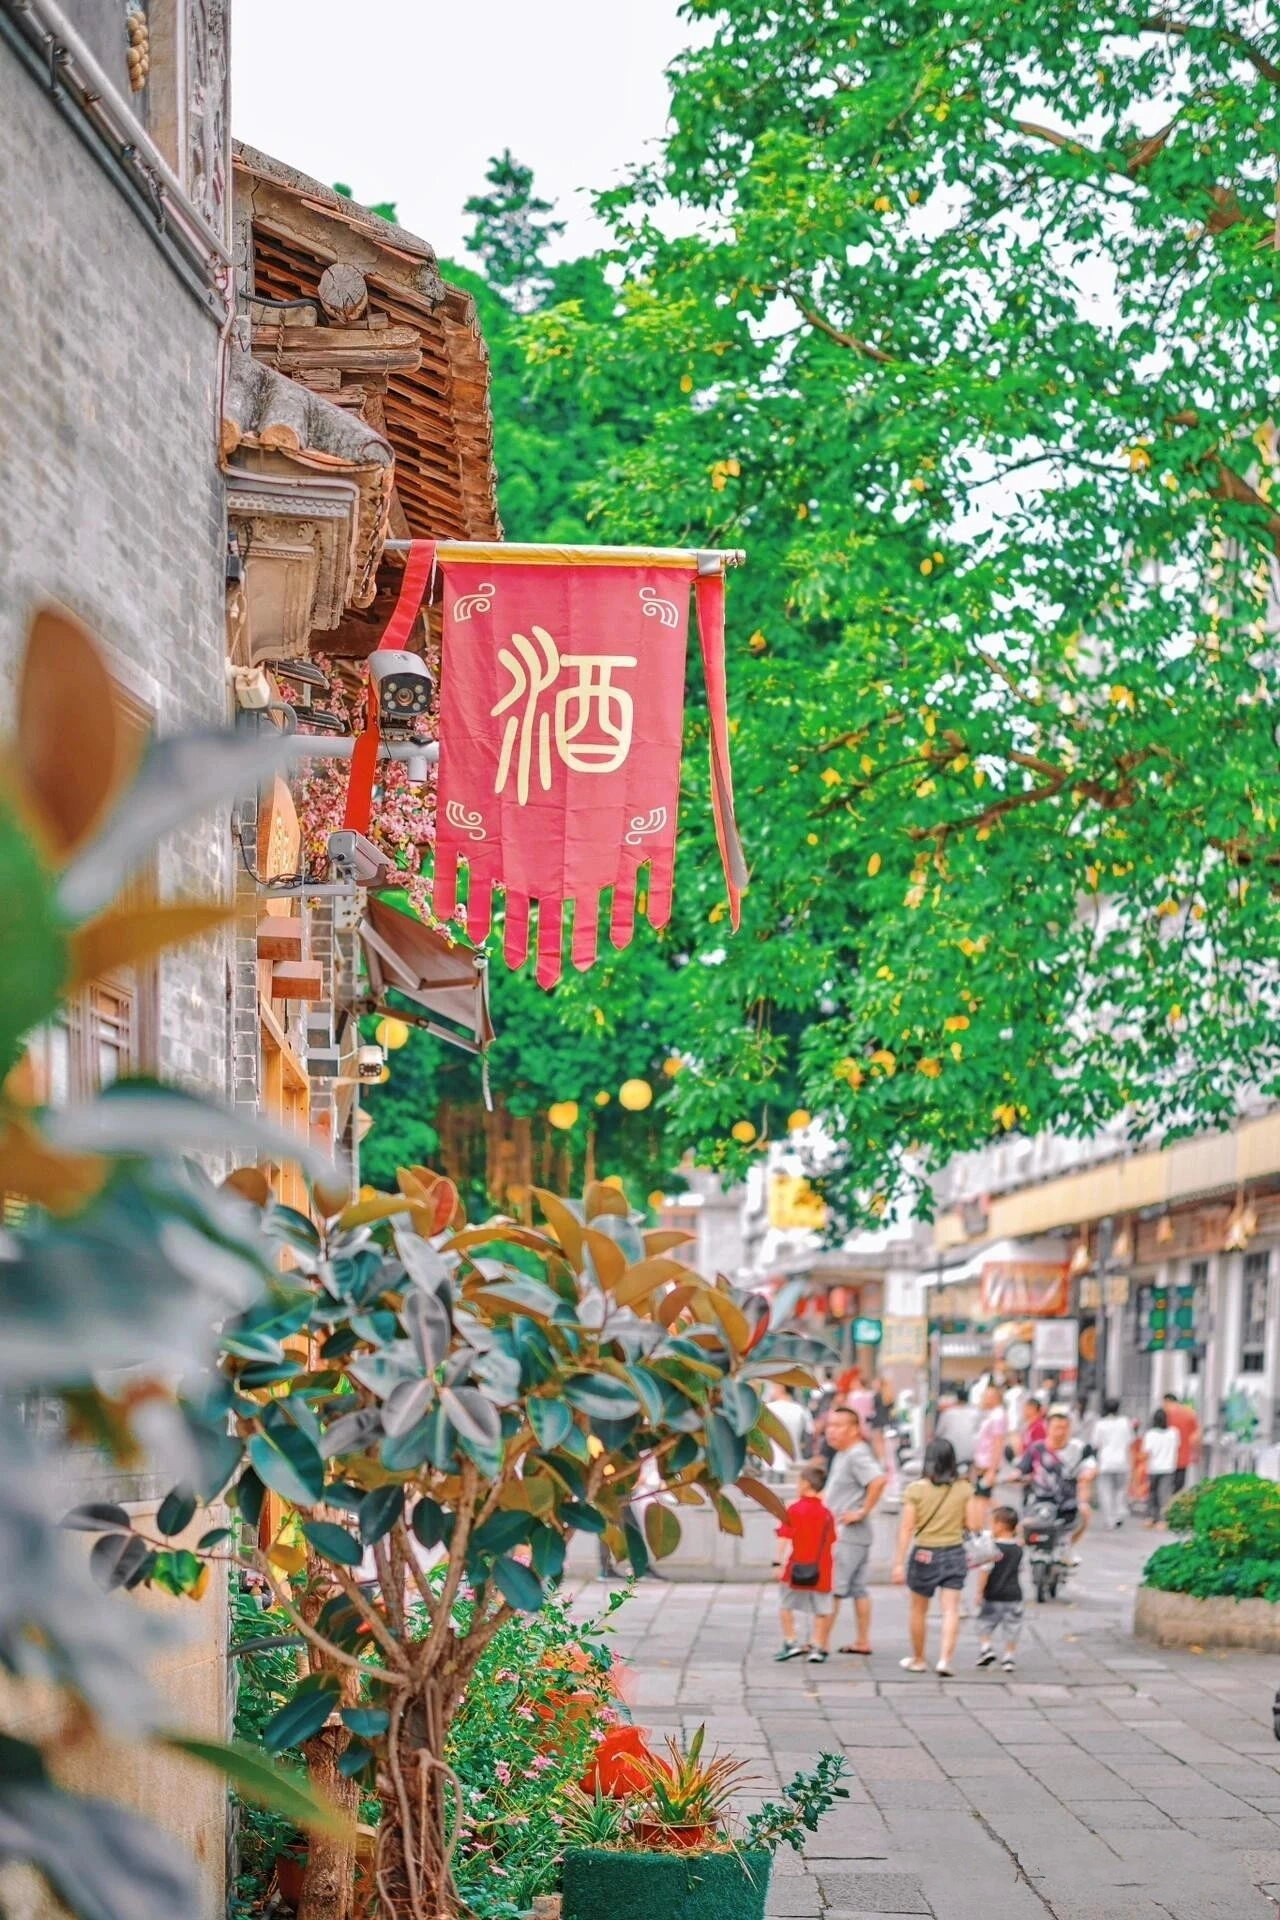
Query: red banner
561, 717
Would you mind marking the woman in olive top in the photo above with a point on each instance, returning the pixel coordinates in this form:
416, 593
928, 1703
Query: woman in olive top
931, 1555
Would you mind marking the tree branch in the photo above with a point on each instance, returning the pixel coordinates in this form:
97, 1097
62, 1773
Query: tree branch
842, 339
1161, 23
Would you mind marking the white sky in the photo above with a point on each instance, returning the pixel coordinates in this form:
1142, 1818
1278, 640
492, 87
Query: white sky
406, 100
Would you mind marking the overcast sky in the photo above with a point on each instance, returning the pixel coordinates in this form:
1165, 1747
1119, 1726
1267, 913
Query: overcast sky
406, 100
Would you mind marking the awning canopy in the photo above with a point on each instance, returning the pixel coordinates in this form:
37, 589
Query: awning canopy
448, 983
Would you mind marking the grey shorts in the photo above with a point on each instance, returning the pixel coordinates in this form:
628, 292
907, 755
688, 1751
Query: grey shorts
850, 1569
806, 1600
1000, 1617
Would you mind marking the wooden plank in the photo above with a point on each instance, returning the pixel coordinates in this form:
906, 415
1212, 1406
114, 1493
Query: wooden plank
354, 340
297, 980
279, 938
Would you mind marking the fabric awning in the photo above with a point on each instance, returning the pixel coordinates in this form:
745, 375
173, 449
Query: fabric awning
448, 983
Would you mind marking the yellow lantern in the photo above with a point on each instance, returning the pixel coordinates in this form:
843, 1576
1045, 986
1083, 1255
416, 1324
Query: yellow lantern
563, 1114
603, 1098
743, 1131
672, 1065
798, 1121
384, 1076
635, 1095
657, 1200
391, 1034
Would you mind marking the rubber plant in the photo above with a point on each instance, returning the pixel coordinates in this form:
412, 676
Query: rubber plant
434, 1410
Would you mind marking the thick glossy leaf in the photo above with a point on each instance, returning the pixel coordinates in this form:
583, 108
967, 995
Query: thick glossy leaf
551, 1421
548, 1553
740, 1403
601, 1396
519, 1586
177, 1511
601, 1197
651, 1392
265, 1782
351, 1432
405, 1405
564, 1224
763, 1495
355, 1758
379, 1511
500, 1532
130, 936
664, 1239
624, 1232
662, 1529
214, 1538
582, 1518
250, 1495
432, 1526
96, 1516
644, 1279
367, 1722
637, 1551
606, 1263
475, 1418
516, 1295
532, 1493
142, 1118
116, 1558
333, 1542
727, 1514
288, 1463
294, 1228
425, 1265
726, 1450
426, 1321
303, 1714
74, 749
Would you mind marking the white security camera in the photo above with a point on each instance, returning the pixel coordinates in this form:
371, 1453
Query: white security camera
369, 1063
404, 687
355, 858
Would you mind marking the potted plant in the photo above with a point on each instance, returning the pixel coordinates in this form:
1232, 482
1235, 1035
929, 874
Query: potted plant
672, 1845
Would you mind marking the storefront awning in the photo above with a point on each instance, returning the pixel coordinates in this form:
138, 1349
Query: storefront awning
446, 984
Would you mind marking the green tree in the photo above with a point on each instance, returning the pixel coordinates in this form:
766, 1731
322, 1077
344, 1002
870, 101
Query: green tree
512, 231
965, 329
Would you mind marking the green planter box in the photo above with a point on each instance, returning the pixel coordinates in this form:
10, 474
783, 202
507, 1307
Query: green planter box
601, 1885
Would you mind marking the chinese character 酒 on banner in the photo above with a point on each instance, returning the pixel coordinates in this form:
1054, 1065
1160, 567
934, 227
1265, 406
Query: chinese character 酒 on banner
561, 716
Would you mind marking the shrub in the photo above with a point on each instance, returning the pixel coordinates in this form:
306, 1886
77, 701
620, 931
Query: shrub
1234, 1548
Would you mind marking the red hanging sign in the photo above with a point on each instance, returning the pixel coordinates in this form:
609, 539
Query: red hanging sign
561, 718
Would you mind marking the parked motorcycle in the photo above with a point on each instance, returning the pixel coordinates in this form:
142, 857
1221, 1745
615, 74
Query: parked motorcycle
1046, 1536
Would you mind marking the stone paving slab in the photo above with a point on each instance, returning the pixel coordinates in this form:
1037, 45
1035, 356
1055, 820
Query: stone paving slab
1102, 1781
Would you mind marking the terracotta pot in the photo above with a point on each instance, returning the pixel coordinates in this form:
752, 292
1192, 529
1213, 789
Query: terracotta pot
291, 1870
665, 1839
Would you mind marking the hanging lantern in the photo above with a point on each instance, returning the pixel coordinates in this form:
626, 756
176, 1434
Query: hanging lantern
603, 1098
635, 1095
798, 1121
657, 1200
672, 1065
743, 1132
391, 1034
384, 1076
563, 1114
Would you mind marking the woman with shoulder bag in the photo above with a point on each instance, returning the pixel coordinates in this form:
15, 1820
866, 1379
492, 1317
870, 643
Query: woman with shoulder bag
931, 1556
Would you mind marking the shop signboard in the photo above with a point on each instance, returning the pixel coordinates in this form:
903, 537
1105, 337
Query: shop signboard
1055, 1345
1025, 1289
867, 1332
905, 1342
1167, 1320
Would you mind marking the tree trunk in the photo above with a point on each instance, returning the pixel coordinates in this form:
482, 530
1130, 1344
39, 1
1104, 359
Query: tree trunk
413, 1872
328, 1888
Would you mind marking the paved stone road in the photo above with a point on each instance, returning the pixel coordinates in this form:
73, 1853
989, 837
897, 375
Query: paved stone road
1104, 1781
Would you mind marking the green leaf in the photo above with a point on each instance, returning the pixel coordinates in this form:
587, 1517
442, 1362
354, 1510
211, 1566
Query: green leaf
600, 1395
250, 1495
548, 1553
726, 1450
637, 1551
289, 1463
551, 1421
303, 1714
214, 1538
519, 1585
432, 1526
177, 1510
379, 1511
33, 949
333, 1542
740, 1404
368, 1722
265, 1782
96, 1516
355, 1757
662, 1529
582, 1518
500, 1532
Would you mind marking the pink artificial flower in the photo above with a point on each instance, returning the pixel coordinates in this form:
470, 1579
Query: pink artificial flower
503, 1772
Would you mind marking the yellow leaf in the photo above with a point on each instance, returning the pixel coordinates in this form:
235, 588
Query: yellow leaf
384, 1206
567, 1230
1175, 1014
926, 565
956, 1022
867, 763
763, 1495
917, 484
811, 839
957, 1051
609, 1259
662, 1239
733, 466
884, 1059
882, 203
874, 865
288, 1559
35, 1171
686, 383
930, 1067
603, 1196
830, 778
802, 511
1139, 459
73, 750
124, 937
979, 777
1007, 1115
757, 642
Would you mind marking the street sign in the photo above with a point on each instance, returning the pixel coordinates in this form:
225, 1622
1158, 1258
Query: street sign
1167, 1320
867, 1333
1056, 1343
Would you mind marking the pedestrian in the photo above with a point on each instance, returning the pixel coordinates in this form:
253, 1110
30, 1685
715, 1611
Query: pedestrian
1000, 1592
988, 1453
882, 1420
806, 1578
789, 1413
931, 1555
1035, 1427
1112, 1440
852, 1492
959, 1424
1160, 1445
1183, 1417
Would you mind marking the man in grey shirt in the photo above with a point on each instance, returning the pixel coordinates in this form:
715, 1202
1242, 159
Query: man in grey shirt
854, 1486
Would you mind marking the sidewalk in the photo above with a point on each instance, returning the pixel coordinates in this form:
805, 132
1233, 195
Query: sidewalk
1106, 1780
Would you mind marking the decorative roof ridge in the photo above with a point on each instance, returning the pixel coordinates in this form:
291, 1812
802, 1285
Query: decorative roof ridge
293, 180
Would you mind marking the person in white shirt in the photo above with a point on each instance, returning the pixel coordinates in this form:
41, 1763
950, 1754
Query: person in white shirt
1112, 1439
787, 1410
1160, 1445
959, 1424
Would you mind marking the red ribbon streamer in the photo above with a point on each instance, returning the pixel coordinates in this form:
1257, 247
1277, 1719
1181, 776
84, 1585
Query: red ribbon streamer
364, 755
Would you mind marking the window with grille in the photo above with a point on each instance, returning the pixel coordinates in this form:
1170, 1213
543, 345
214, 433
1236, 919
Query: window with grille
1253, 1317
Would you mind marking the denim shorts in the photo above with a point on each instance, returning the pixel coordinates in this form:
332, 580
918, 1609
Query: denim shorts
1000, 1617
930, 1568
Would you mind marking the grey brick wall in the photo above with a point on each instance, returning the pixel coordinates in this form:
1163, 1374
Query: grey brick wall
112, 498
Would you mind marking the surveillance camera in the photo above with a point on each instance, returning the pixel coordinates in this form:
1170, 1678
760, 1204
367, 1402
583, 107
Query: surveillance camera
369, 1063
355, 858
404, 687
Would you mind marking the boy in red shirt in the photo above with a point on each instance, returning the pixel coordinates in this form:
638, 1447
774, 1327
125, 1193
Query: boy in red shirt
806, 1577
